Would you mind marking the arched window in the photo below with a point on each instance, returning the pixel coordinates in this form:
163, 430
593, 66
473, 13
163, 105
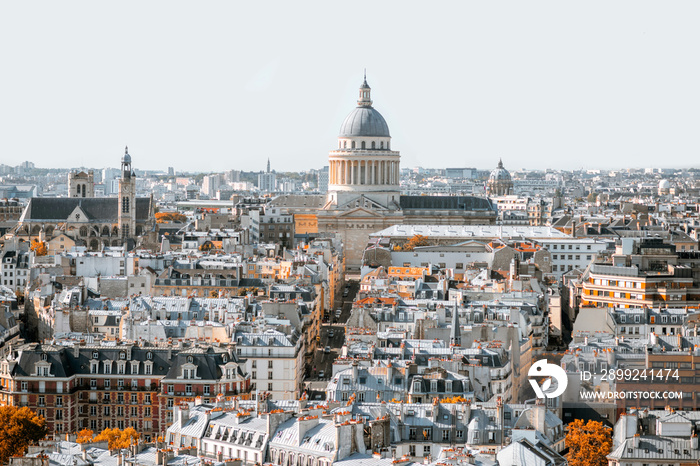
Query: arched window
94, 244
84, 190
345, 144
105, 230
373, 145
363, 144
138, 230
353, 145
83, 231
381, 145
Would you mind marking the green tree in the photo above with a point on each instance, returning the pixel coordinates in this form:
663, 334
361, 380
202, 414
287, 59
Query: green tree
20, 428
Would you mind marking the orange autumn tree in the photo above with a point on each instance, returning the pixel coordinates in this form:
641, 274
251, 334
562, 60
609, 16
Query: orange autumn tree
20, 428
39, 247
165, 217
588, 443
85, 436
117, 439
414, 242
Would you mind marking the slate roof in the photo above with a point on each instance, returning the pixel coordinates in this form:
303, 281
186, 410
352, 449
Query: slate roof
465, 203
106, 209
656, 450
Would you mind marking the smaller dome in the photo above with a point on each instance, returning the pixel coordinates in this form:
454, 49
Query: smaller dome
499, 173
126, 158
664, 184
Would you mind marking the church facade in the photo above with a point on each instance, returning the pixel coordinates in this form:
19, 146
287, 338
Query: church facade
94, 222
364, 192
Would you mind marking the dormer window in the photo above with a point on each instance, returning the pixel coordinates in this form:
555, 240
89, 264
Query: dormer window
95, 355
122, 355
190, 359
149, 355
225, 358
44, 356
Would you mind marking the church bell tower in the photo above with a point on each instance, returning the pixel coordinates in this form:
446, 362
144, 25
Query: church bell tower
127, 199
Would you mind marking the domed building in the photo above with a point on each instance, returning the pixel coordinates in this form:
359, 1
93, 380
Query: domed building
364, 164
664, 188
364, 192
500, 183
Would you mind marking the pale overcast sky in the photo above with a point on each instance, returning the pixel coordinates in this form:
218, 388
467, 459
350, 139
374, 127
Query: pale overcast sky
221, 85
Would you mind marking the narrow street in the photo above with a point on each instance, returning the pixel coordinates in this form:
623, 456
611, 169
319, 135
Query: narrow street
332, 339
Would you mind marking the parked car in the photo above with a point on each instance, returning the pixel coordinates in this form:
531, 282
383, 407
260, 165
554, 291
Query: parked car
327, 349
338, 312
331, 333
321, 374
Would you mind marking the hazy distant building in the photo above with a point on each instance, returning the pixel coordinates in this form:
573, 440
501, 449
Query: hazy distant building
267, 182
468, 173
211, 184
233, 176
171, 171
322, 177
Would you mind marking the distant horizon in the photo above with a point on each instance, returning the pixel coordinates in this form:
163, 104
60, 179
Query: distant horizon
223, 170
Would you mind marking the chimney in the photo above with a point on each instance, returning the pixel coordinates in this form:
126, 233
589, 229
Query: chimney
183, 414
354, 371
539, 418
305, 424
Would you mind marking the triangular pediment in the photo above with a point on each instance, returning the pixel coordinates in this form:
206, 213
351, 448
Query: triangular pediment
364, 202
360, 212
78, 215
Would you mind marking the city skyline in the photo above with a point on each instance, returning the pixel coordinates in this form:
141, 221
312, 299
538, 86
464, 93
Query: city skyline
229, 86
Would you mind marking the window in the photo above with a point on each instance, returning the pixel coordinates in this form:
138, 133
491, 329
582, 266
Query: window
134, 399
460, 434
269, 365
125, 204
269, 387
445, 435
59, 401
412, 450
